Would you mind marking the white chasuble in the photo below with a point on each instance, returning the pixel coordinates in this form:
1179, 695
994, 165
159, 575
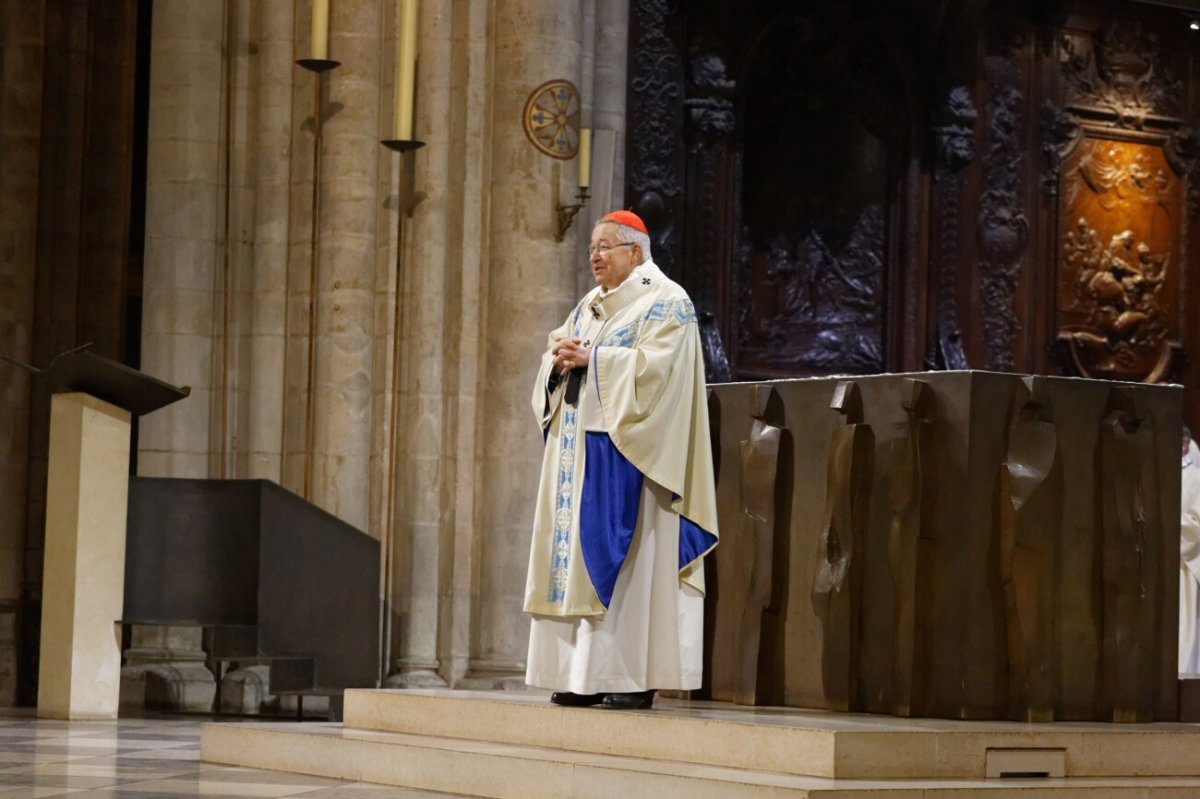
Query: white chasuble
626, 505
1189, 563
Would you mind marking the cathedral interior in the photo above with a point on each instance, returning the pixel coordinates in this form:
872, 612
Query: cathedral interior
844, 187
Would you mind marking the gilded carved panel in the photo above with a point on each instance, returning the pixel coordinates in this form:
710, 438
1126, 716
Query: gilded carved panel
1119, 258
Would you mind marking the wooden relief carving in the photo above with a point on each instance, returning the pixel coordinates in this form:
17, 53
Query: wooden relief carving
1030, 511
837, 584
1003, 230
1117, 73
658, 102
1061, 133
955, 150
655, 159
703, 225
716, 361
911, 539
1130, 520
710, 122
1119, 259
816, 177
1183, 154
813, 292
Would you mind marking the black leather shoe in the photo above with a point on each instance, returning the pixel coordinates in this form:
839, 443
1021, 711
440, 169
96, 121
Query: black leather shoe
637, 700
568, 699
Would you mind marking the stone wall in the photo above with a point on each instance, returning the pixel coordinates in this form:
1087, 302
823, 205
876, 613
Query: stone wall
393, 390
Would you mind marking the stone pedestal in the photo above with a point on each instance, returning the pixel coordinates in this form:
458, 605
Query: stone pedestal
83, 583
510, 744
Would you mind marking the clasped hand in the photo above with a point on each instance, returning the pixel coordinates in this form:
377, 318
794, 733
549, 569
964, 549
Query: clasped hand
569, 353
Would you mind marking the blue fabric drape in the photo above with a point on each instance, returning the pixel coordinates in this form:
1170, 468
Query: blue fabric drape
608, 514
694, 541
608, 511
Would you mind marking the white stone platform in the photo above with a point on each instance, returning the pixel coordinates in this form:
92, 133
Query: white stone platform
504, 744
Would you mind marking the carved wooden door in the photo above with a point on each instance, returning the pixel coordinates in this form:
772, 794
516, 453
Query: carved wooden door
764, 144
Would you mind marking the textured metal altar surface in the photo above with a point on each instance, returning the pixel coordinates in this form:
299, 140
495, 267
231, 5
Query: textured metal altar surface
947, 544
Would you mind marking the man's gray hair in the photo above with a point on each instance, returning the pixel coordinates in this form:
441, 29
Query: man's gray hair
629, 235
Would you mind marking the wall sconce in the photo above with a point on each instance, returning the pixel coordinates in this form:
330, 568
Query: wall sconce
402, 140
318, 58
567, 213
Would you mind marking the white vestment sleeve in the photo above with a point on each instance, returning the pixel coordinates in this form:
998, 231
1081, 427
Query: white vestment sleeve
1189, 517
544, 400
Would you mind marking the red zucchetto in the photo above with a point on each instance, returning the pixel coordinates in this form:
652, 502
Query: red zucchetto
627, 218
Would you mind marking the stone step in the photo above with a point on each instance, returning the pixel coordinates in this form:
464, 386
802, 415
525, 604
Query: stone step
782, 740
503, 771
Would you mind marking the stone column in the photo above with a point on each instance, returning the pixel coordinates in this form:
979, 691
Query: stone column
240, 159
419, 576
184, 204
443, 348
608, 107
465, 316
483, 281
21, 49
298, 318
274, 145
604, 107
531, 288
348, 222
183, 281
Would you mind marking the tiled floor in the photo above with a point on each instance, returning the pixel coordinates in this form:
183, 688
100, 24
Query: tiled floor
145, 759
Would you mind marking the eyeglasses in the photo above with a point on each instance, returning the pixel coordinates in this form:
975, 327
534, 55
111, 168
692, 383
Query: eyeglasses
604, 249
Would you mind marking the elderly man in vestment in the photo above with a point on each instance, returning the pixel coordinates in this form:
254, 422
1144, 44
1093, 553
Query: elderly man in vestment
1189, 558
626, 506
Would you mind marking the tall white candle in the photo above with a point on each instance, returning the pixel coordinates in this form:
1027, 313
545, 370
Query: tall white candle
319, 49
585, 157
406, 70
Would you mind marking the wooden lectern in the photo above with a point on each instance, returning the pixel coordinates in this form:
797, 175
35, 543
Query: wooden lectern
93, 400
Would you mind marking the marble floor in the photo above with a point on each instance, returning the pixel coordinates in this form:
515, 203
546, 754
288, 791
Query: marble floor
145, 758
